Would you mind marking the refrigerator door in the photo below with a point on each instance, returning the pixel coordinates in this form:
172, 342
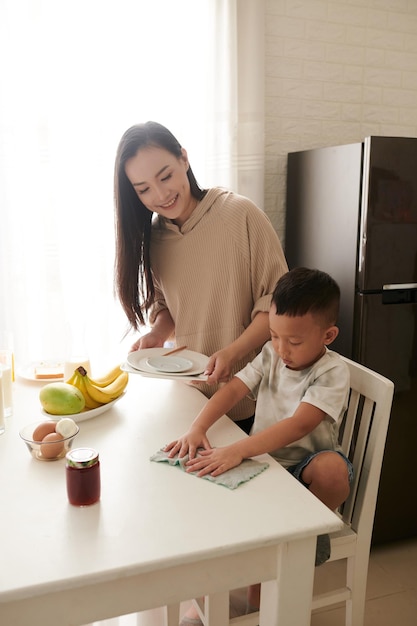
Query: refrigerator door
386, 334
352, 212
388, 228
322, 220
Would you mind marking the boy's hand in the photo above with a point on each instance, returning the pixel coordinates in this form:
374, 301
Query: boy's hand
188, 444
215, 461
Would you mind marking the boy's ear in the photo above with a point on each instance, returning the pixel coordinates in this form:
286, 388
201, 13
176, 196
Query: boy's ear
330, 335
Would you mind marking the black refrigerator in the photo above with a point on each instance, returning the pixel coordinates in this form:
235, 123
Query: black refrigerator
351, 210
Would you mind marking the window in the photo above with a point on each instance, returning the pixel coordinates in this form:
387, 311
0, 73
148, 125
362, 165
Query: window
73, 77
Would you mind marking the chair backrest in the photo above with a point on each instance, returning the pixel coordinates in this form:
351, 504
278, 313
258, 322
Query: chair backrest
363, 435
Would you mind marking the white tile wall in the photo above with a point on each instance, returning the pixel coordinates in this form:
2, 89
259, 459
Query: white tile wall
336, 71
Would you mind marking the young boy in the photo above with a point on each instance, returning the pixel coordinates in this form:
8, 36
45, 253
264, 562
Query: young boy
301, 390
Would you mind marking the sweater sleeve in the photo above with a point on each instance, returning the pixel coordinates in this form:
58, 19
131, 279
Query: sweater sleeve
268, 264
266, 258
159, 303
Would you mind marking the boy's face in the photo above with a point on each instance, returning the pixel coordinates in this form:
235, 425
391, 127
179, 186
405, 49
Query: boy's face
300, 341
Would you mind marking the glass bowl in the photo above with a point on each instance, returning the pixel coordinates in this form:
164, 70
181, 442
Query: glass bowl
46, 450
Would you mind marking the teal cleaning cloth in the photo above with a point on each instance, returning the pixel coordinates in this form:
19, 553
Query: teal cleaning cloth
249, 468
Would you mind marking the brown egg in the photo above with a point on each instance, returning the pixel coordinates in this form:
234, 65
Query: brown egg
42, 430
51, 446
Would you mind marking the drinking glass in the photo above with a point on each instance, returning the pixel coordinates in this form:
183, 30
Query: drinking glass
2, 424
7, 370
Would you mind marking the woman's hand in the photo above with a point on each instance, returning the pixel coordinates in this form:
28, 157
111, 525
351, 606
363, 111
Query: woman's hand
188, 444
150, 340
215, 461
219, 366
253, 337
162, 330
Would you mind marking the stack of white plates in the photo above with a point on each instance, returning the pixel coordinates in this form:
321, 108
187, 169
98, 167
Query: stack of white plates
152, 362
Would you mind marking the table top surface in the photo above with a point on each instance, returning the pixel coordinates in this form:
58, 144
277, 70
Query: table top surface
150, 515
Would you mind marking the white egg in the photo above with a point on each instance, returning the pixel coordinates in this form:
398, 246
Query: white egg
66, 427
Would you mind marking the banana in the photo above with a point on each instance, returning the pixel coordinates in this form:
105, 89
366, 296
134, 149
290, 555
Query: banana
90, 403
111, 391
108, 378
78, 381
117, 387
106, 394
71, 381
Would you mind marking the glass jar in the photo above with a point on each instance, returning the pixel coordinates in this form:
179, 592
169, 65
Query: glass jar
83, 476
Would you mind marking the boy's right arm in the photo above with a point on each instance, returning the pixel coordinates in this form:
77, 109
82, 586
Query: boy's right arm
219, 404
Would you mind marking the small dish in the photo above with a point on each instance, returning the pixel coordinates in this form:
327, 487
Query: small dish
138, 361
170, 364
46, 450
86, 414
29, 372
186, 377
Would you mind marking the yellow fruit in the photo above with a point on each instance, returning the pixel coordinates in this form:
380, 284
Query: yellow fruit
103, 381
79, 382
72, 380
106, 394
61, 399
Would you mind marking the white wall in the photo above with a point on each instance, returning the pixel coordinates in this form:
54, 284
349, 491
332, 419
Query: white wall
336, 71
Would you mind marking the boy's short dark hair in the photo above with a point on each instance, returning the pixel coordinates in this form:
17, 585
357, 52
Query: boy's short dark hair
303, 290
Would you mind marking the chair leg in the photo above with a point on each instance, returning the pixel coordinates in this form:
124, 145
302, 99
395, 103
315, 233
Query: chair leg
356, 578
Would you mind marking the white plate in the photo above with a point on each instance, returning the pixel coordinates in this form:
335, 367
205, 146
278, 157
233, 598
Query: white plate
87, 414
172, 364
138, 360
28, 372
183, 378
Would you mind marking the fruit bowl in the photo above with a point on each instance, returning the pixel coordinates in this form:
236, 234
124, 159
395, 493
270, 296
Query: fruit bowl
86, 414
46, 450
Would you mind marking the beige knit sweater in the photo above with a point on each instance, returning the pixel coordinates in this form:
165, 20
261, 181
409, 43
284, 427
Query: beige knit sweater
215, 273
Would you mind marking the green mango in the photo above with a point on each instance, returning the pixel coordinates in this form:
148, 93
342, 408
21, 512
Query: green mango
61, 399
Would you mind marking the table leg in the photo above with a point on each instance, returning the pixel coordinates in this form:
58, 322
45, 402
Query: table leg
286, 601
172, 615
217, 609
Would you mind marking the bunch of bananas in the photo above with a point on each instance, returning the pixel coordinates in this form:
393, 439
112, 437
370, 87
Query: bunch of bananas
99, 391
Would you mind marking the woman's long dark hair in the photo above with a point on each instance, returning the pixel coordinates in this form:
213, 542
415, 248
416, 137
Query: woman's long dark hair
133, 277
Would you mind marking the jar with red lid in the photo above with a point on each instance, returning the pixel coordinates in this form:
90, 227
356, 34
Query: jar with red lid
83, 476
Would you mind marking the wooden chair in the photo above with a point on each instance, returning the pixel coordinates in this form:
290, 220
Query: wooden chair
362, 437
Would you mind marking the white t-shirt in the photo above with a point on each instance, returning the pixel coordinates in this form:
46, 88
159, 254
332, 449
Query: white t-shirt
278, 392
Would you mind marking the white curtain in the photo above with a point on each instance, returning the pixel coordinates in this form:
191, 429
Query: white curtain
73, 77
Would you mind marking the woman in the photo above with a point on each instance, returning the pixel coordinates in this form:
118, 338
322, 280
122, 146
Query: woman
198, 264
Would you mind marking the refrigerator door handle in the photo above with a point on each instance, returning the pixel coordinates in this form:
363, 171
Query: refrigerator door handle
405, 293
400, 286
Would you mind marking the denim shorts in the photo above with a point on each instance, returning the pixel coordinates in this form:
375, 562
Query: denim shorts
296, 470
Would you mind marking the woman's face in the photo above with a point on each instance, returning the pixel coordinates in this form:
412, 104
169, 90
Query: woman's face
160, 180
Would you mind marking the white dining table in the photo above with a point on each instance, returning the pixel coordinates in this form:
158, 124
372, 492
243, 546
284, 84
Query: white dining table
158, 536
